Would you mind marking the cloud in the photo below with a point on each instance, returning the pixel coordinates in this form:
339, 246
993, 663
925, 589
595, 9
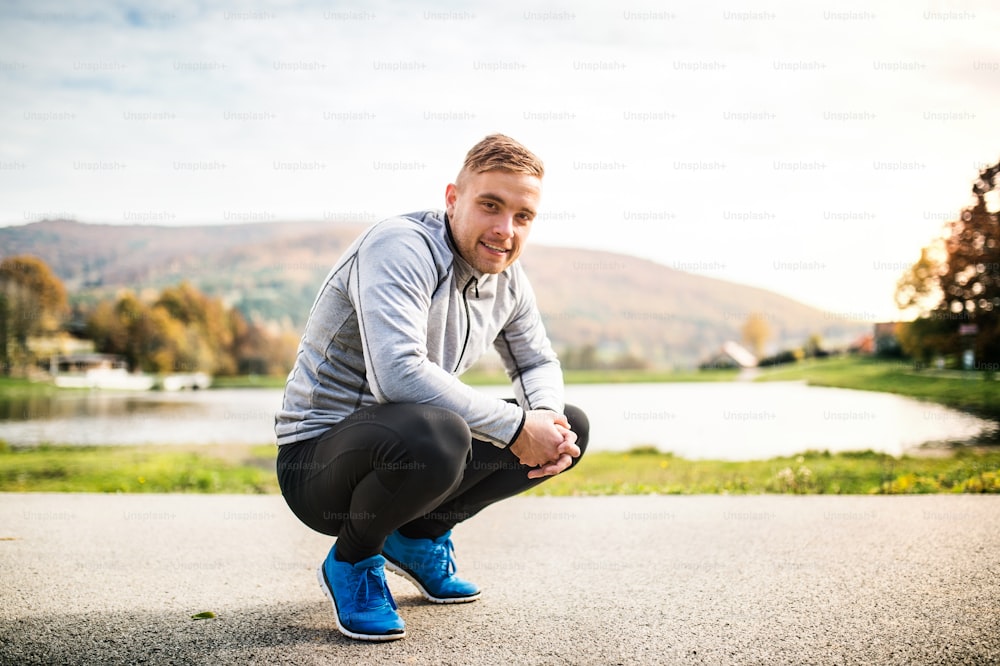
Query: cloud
762, 140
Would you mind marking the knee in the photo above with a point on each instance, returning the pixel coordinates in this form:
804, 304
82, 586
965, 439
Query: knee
580, 424
439, 442
437, 429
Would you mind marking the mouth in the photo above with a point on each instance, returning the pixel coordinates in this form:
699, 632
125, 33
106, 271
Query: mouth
495, 249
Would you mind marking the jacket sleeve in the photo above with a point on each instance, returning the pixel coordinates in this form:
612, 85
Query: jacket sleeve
527, 354
396, 277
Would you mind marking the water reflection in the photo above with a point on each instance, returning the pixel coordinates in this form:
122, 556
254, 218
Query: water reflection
84, 404
735, 421
110, 418
739, 421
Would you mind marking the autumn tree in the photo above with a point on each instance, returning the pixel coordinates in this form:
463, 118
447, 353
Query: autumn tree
184, 330
32, 303
208, 327
964, 279
928, 337
918, 289
756, 332
971, 280
134, 330
259, 350
813, 347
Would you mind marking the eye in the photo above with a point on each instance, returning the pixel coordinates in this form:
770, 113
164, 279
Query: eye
490, 205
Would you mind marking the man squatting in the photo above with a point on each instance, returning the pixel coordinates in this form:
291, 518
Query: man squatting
380, 444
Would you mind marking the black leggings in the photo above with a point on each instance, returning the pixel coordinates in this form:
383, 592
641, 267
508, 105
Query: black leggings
402, 466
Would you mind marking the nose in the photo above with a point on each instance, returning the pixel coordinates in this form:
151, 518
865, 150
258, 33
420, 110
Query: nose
504, 227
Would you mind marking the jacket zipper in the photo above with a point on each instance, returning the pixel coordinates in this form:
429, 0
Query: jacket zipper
468, 320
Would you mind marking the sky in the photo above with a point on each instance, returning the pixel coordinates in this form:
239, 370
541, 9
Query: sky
810, 149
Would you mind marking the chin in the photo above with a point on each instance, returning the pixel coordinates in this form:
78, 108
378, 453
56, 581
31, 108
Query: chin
496, 268
494, 265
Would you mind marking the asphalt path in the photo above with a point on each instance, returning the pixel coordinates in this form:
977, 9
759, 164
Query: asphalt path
115, 579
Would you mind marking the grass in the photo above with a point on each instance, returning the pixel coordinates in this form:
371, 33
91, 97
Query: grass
497, 377
13, 387
246, 469
481, 377
644, 471
249, 381
138, 469
971, 392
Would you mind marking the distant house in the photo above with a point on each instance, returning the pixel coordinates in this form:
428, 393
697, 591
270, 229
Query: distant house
885, 338
731, 355
81, 362
864, 344
97, 371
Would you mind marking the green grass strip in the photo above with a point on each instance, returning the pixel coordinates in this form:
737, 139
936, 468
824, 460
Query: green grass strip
245, 469
109, 469
644, 471
974, 392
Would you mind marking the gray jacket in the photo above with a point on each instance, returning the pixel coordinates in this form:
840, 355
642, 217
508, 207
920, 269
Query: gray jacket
398, 319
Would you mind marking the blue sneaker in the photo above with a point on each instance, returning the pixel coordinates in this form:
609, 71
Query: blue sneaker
430, 565
362, 602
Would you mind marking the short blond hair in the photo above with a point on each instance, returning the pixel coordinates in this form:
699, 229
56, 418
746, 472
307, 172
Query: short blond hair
498, 152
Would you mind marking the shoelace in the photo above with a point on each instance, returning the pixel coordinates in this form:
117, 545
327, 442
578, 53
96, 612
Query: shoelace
443, 555
373, 576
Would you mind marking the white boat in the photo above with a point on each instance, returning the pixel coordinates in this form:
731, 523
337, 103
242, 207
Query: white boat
180, 382
98, 371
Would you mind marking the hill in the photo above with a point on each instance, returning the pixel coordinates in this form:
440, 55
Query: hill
616, 303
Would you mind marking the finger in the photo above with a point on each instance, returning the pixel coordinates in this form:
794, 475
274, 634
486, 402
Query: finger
565, 435
548, 469
553, 468
569, 448
561, 465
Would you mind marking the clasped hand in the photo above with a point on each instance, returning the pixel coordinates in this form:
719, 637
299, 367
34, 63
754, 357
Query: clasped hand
545, 444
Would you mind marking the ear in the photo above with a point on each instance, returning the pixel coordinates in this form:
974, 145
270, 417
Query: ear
450, 196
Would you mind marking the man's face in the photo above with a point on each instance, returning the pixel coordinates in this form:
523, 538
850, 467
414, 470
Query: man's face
491, 214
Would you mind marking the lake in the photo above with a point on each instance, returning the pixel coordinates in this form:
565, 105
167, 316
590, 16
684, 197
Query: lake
727, 420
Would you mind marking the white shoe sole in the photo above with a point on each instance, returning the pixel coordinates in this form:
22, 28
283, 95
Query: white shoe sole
336, 615
400, 571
